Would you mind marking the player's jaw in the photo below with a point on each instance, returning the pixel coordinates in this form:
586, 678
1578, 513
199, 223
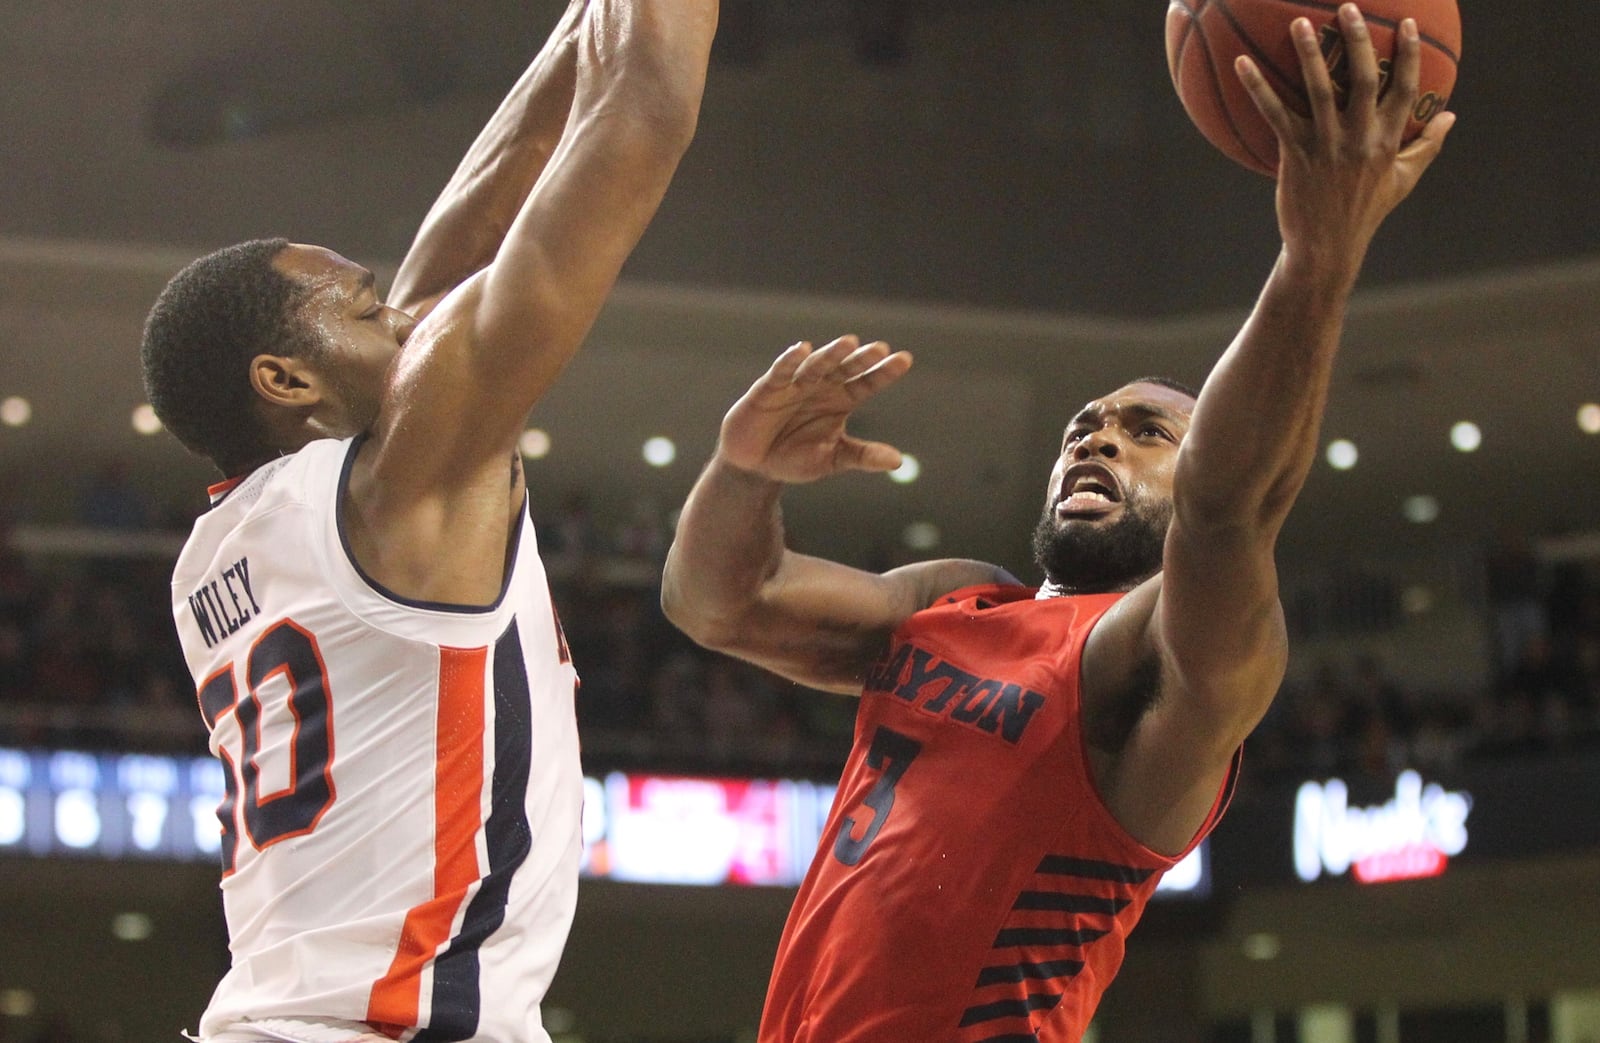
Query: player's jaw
1087, 543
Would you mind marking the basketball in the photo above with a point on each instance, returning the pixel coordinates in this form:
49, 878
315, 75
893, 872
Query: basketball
1205, 36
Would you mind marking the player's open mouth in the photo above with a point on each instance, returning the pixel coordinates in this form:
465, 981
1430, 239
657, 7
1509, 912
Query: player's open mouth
1088, 489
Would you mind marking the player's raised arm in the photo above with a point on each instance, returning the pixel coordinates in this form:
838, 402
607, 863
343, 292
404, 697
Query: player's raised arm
1211, 623
467, 223
732, 584
469, 374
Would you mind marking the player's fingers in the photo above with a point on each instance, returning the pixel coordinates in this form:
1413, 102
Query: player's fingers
783, 368
888, 369
1284, 123
825, 360
863, 359
1314, 71
856, 454
1406, 73
1417, 156
1363, 62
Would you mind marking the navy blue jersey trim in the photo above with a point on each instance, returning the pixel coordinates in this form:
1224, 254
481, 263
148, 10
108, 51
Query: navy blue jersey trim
457, 990
1020, 1008
1092, 869
435, 606
1017, 973
1014, 937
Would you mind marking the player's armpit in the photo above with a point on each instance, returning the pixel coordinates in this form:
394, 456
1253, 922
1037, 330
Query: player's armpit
1175, 676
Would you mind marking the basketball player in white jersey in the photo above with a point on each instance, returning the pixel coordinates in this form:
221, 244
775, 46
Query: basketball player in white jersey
363, 607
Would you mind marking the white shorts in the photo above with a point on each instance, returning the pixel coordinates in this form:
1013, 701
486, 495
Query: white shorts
296, 1030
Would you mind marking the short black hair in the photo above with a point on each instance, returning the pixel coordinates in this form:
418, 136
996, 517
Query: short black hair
1167, 382
208, 323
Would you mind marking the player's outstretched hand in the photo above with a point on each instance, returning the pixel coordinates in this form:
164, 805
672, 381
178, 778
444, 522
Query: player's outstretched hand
790, 425
1341, 171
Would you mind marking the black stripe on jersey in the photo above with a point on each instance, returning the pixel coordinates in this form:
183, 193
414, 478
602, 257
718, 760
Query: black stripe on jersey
1008, 1009
457, 993
1011, 1037
1014, 936
1088, 868
1019, 972
1055, 901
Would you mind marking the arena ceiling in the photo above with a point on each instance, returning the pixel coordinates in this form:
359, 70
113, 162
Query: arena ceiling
1008, 188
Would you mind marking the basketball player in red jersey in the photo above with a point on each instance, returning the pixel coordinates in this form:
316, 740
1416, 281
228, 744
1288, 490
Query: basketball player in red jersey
1027, 763
363, 607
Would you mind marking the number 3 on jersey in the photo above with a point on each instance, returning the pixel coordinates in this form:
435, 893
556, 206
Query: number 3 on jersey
890, 754
290, 654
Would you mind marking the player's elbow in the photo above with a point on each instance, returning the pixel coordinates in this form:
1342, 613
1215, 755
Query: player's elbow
695, 614
716, 633
648, 135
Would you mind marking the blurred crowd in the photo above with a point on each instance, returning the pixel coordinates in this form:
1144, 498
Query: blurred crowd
88, 659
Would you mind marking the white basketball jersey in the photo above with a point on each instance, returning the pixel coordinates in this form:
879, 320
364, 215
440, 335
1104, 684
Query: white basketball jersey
401, 831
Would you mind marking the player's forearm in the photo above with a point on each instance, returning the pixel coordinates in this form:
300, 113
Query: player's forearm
1255, 427
468, 221
648, 59
729, 544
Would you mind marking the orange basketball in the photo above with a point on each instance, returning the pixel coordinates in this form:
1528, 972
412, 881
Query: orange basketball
1205, 36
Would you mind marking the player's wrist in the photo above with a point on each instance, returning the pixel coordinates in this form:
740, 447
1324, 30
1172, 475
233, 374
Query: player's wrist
1319, 274
736, 472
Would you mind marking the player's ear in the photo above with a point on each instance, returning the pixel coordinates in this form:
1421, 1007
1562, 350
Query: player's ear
285, 381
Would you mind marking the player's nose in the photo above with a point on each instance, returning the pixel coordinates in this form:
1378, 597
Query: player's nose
1095, 443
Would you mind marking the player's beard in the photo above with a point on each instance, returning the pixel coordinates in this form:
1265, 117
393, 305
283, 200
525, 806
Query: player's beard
1083, 557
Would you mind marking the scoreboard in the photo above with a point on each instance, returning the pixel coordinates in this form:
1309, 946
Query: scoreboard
638, 828
67, 802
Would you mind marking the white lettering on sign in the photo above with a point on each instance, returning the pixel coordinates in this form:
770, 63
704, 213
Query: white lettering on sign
1412, 835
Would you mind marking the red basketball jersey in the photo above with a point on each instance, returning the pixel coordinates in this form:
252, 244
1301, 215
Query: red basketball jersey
970, 886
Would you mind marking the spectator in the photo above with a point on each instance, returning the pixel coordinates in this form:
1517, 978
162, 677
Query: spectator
1516, 607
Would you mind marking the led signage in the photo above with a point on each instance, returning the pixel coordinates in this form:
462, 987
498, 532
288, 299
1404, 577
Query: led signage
1414, 834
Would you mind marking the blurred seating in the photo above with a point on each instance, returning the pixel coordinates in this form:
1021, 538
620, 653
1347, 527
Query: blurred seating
88, 660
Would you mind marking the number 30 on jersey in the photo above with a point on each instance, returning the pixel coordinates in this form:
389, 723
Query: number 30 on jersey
288, 654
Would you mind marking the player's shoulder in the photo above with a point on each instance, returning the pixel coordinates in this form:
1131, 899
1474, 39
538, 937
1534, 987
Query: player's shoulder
945, 580
307, 476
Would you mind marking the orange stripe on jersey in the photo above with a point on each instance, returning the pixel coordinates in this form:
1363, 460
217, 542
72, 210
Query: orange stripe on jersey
458, 815
217, 490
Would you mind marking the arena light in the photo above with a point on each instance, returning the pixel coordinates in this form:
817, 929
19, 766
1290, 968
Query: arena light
921, 535
131, 927
15, 411
534, 443
910, 470
1589, 418
1466, 436
17, 1003
1417, 600
659, 451
1262, 946
1342, 454
1420, 510
145, 420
